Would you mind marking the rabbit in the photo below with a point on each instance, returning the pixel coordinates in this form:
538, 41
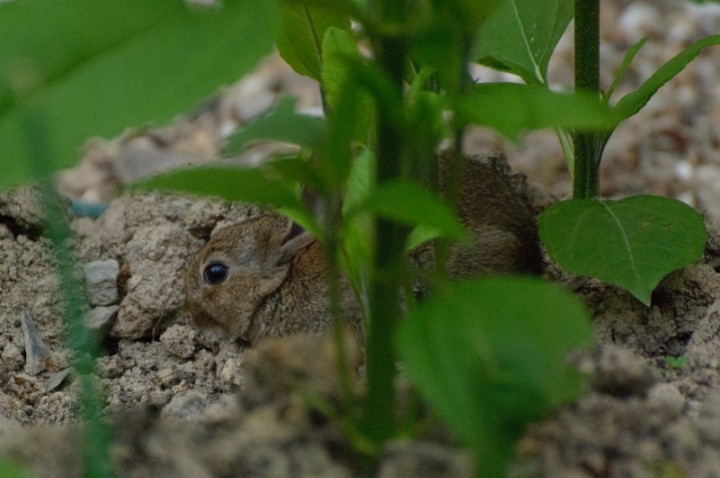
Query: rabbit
266, 276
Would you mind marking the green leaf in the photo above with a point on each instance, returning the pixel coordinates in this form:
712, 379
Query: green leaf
299, 41
413, 204
228, 182
94, 67
632, 242
281, 123
444, 44
350, 106
637, 99
520, 36
490, 363
341, 55
627, 60
11, 469
297, 170
513, 108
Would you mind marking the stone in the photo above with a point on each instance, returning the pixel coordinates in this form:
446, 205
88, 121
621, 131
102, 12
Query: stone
100, 319
101, 281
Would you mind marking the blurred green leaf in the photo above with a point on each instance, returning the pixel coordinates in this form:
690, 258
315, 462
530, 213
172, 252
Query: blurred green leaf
350, 107
356, 232
341, 55
413, 204
94, 67
300, 39
444, 44
490, 363
283, 124
520, 36
637, 99
12, 469
298, 170
513, 108
632, 242
228, 182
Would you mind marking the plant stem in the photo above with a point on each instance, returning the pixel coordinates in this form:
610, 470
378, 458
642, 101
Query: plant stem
587, 77
331, 257
95, 434
391, 53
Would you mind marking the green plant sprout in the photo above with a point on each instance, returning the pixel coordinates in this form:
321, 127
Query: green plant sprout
500, 343
676, 363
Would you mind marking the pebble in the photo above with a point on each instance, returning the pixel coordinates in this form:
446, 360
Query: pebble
620, 372
231, 376
11, 357
101, 281
37, 354
186, 406
666, 399
56, 380
179, 340
100, 319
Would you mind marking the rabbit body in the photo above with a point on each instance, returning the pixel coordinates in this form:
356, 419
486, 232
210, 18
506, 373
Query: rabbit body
267, 277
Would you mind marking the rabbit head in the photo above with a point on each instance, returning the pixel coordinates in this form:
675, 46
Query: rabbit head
238, 270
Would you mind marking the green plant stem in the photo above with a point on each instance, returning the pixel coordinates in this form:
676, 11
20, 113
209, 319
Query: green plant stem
96, 434
391, 53
331, 258
587, 77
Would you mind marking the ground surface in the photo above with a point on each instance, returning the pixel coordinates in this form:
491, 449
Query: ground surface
211, 409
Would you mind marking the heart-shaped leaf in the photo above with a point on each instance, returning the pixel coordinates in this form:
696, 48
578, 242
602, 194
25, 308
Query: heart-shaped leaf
490, 363
632, 242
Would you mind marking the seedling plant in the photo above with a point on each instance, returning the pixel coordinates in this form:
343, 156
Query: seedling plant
488, 354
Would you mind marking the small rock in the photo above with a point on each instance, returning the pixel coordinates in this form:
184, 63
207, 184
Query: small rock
101, 281
231, 376
36, 353
666, 399
621, 373
424, 460
179, 340
56, 380
11, 357
100, 319
186, 406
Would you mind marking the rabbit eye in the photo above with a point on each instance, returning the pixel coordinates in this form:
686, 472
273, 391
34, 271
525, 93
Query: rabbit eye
215, 272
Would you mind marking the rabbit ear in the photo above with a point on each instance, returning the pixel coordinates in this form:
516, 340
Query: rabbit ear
296, 239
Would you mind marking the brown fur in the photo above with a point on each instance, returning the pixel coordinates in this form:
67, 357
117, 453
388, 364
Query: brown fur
276, 283
274, 287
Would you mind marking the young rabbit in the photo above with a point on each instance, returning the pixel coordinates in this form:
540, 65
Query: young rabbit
267, 277
263, 277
